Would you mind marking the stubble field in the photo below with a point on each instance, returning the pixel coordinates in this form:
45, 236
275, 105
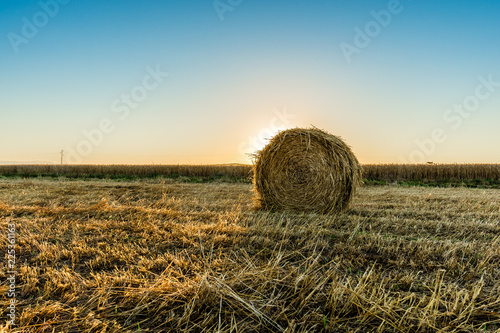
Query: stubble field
163, 255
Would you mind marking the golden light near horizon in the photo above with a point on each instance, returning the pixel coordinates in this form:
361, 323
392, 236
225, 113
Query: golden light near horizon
269, 124
265, 135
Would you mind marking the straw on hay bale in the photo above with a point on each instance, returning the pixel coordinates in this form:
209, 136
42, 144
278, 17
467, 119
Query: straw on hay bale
306, 170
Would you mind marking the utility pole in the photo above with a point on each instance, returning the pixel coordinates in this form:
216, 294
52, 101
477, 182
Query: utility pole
62, 154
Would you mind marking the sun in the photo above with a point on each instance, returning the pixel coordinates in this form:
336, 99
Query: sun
265, 135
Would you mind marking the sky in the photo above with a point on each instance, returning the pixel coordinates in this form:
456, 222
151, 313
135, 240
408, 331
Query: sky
206, 82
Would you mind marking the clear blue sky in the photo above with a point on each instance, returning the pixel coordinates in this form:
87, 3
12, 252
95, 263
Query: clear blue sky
161, 81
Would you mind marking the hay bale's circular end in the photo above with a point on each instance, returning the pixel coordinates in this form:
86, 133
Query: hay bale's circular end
306, 170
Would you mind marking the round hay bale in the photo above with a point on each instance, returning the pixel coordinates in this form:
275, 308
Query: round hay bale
306, 170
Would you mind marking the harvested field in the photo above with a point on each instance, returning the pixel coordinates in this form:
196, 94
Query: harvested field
130, 256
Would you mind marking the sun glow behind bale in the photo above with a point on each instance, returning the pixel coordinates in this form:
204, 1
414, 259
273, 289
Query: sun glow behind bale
306, 170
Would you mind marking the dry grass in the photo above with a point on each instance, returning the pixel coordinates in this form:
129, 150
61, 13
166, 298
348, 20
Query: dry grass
306, 170
101, 256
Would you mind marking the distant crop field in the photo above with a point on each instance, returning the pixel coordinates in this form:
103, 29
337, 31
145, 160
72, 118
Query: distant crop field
192, 173
153, 255
443, 175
